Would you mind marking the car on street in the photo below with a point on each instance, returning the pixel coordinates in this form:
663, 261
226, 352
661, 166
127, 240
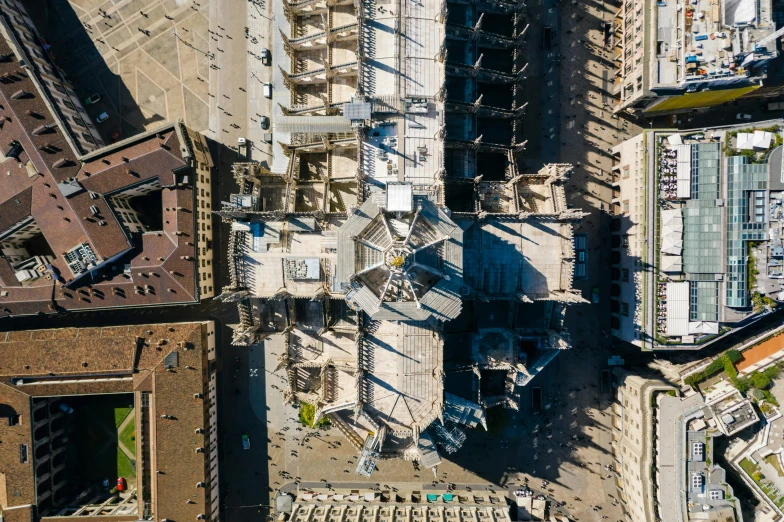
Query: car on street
264, 122
102, 117
121, 485
67, 409
266, 57
267, 90
93, 99
245, 441
742, 116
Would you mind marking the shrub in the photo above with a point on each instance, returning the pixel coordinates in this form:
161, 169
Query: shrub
307, 412
760, 381
733, 355
672, 393
693, 379
742, 385
772, 372
757, 476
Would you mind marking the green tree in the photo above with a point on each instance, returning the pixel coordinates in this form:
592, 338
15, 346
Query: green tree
760, 381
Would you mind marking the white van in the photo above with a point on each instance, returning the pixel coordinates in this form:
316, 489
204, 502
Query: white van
268, 90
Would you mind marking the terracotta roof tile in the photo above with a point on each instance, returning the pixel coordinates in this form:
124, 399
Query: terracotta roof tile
66, 222
140, 349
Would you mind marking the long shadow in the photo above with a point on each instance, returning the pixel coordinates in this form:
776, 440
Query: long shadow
74, 51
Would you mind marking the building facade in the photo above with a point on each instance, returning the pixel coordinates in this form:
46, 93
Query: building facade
56, 90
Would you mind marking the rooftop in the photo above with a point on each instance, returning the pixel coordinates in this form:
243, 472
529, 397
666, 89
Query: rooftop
710, 40
113, 360
63, 217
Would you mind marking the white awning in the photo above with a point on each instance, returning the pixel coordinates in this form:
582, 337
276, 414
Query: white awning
703, 327
668, 217
683, 173
674, 139
672, 264
762, 139
672, 244
672, 232
677, 308
744, 141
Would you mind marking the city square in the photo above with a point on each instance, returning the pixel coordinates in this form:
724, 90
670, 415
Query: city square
320, 260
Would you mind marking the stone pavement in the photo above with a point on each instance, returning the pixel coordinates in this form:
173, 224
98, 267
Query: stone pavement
127, 52
568, 445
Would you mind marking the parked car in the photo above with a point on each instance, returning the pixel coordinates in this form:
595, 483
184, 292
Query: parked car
93, 99
267, 90
264, 122
742, 116
102, 117
121, 485
266, 57
67, 409
245, 442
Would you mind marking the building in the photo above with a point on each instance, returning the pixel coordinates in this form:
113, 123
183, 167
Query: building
677, 56
125, 225
657, 430
56, 91
400, 506
58, 405
395, 204
697, 233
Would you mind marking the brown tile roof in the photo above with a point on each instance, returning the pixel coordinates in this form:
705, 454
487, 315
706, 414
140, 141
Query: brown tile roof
17, 482
147, 160
66, 222
33, 354
16, 208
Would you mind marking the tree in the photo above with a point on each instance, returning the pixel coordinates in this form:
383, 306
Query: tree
760, 381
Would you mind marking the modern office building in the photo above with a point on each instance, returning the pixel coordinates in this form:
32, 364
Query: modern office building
697, 233
678, 55
85, 409
393, 205
124, 225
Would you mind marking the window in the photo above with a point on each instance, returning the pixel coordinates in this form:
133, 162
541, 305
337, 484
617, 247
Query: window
716, 494
69, 104
625, 171
696, 480
625, 206
14, 420
625, 309
58, 87
625, 275
23, 453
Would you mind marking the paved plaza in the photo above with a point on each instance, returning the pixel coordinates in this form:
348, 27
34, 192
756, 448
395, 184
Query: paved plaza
146, 75
146, 58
